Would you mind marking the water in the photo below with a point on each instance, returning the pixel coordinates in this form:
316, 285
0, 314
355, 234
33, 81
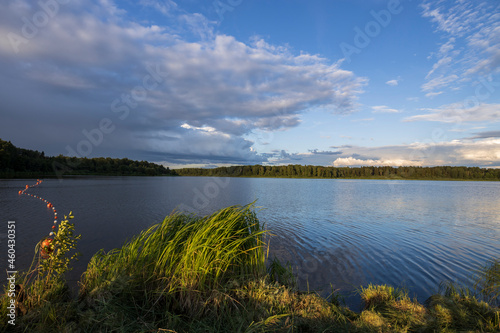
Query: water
338, 234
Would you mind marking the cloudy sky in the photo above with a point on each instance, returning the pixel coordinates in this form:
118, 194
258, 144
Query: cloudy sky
207, 83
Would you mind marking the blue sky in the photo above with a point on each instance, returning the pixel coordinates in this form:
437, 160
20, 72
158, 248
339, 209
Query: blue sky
210, 83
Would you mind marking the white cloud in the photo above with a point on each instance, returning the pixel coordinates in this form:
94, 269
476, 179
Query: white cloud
457, 113
486, 152
354, 162
383, 109
392, 82
456, 19
166, 7
439, 82
447, 47
442, 62
207, 129
363, 120
480, 151
472, 33
433, 94
487, 43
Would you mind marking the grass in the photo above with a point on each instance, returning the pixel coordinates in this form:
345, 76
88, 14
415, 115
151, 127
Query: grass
488, 282
212, 274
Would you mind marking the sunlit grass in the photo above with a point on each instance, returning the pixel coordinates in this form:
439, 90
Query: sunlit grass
386, 305
458, 308
184, 256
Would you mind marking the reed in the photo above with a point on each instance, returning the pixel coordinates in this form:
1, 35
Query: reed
185, 256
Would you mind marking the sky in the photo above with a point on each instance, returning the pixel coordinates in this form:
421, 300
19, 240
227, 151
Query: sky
228, 82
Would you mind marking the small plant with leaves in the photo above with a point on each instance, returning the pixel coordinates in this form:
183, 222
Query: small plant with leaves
55, 261
46, 281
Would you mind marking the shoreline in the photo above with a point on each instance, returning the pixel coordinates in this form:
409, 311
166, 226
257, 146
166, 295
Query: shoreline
53, 176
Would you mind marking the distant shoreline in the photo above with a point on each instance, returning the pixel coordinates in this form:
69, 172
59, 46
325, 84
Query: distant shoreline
67, 176
55, 176
18, 163
373, 178
445, 173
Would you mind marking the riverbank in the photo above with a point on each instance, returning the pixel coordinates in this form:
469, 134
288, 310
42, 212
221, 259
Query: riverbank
212, 274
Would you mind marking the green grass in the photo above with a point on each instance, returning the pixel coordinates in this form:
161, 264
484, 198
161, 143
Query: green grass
488, 282
212, 274
181, 262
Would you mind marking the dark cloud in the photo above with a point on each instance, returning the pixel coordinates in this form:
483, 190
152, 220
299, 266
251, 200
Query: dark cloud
485, 135
340, 147
92, 62
317, 152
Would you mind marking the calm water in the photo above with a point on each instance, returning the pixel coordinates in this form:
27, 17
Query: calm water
346, 233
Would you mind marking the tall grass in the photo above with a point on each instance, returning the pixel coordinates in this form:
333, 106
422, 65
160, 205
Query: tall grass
458, 308
488, 282
185, 256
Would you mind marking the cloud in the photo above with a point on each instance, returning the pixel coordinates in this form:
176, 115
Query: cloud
439, 82
457, 113
433, 94
479, 152
212, 88
383, 109
442, 62
483, 152
311, 157
283, 155
354, 162
471, 49
392, 82
166, 7
486, 135
455, 19
466, 152
318, 152
487, 42
363, 120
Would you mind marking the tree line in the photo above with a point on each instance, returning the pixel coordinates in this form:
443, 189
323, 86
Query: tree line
382, 172
19, 162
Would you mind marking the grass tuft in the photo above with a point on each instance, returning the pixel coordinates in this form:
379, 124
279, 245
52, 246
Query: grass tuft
488, 282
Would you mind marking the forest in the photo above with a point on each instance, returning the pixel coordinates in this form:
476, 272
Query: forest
17, 162
368, 172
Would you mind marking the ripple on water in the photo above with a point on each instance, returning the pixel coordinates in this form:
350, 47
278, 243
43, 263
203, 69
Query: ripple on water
344, 233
